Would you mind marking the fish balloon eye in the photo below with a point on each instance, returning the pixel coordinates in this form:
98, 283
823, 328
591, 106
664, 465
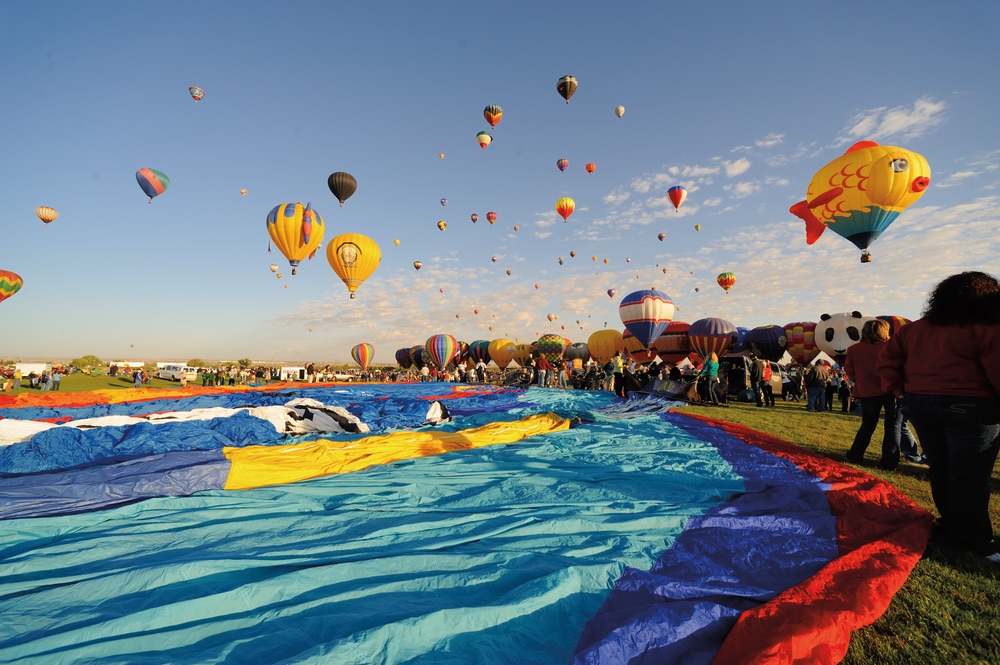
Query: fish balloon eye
899, 165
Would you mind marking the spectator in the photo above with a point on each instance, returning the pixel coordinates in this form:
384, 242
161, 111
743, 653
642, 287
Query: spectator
860, 367
816, 379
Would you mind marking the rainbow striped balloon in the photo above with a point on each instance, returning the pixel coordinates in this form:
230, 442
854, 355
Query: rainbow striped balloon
441, 348
363, 354
801, 341
10, 283
646, 314
711, 335
895, 322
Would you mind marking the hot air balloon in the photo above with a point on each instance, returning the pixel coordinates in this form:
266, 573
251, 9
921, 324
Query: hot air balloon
605, 262
278, 275
46, 214
572, 253
635, 350
396, 242
565, 207
153, 182
619, 111
521, 353
673, 344
697, 227
661, 236
474, 217
551, 347
551, 317
767, 342
566, 86
417, 356
440, 155
501, 351
739, 345
646, 314
354, 258
611, 293
197, 94
243, 192
516, 228
726, 280
577, 353
591, 167
536, 285
363, 354
296, 230
594, 258
441, 290
442, 349
801, 341
479, 350
560, 260
495, 259
491, 217
10, 283
677, 194
444, 202
403, 358
859, 194
273, 267
342, 185
562, 164
418, 265
510, 272
711, 334
493, 114
442, 225
483, 139
895, 322
605, 344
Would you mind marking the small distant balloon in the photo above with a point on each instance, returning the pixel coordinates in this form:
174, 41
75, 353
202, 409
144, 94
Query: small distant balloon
46, 214
491, 217
619, 111
278, 275
418, 265
628, 260
243, 192
565, 207
396, 242
560, 260
197, 94
474, 217
591, 167
611, 293
273, 267
342, 185
444, 202
510, 272
442, 225
493, 114
605, 262
594, 259
697, 227
484, 139
551, 317
152, 182
677, 194
661, 236
440, 155
441, 290
566, 86
536, 286
495, 259
562, 164
572, 253
516, 228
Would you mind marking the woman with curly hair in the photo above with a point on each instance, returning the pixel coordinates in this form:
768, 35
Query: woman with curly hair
946, 368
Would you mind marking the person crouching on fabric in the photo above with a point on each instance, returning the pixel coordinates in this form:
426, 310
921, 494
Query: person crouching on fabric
946, 368
860, 368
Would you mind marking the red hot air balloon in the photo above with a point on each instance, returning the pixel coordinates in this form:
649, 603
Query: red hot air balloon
677, 195
491, 217
591, 167
562, 164
474, 217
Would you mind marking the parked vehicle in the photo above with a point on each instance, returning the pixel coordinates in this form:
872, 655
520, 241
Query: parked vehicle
174, 372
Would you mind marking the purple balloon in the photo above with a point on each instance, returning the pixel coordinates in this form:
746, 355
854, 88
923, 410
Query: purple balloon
712, 334
767, 342
403, 358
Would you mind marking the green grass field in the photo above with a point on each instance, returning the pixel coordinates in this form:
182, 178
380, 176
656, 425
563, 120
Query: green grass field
949, 609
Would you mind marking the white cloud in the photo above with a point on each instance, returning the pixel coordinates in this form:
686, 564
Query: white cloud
743, 189
884, 123
543, 234
616, 197
770, 140
736, 167
712, 202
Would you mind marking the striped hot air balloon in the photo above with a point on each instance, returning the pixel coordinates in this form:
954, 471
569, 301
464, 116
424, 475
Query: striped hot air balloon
711, 334
442, 349
363, 354
46, 214
10, 283
646, 314
801, 341
403, 358
726, 280
153, 182
493, 114
673, 344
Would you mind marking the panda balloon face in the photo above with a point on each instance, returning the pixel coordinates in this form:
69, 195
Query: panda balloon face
836, 332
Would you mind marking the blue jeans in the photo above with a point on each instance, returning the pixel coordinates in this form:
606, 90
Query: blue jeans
815, 398
961, 437
871, 409
541, 378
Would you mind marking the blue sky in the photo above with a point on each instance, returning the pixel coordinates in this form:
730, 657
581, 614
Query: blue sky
740, 102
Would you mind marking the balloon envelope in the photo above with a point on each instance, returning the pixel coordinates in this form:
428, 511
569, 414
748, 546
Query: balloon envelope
768, 342
561, 164
493, 114
416, 356
646, 314
403, 358
551, 347
501, 351
10, 283
46, 214
295, 233
726, 280
677, 194
605, 344
483, 139
800, 339
673, 344
566, 86
619, 111
565, 207
196, 93
342, 185
363, 354
442, 348
153, 182
711, 335
354, 258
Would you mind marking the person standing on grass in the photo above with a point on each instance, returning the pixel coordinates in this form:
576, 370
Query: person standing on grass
946, 369
17, 378
816, 380
710, 370
56, 378
860, 368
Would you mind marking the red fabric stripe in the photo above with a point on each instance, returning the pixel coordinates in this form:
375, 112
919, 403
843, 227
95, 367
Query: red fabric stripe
881, 535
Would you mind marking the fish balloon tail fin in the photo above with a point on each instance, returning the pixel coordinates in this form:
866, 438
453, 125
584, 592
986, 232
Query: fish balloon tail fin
814, 227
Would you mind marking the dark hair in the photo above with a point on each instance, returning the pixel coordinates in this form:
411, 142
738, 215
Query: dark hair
968, 297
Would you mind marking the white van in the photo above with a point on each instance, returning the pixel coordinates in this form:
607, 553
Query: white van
173, 372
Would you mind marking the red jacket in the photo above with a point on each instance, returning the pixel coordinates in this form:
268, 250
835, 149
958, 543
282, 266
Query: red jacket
860, 368
543, 364
959, 361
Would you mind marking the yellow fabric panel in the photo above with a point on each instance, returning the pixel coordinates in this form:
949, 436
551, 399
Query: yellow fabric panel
259, 466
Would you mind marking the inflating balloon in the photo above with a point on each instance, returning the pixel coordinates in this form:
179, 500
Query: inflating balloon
677, 194
153, 182
566, 86
493, 114
10, 283
403, 358
491, 217
501, 351
354, 258
800, 339
673, 344
767, 342
551, 347
726, 280
197, 94
859, 194
619, 111
46, 214
296, 230
363, 354
562, 164
483, 139
565, 207
591, 167
646, 314
342, 185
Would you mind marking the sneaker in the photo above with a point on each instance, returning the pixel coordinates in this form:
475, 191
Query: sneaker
994, 558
